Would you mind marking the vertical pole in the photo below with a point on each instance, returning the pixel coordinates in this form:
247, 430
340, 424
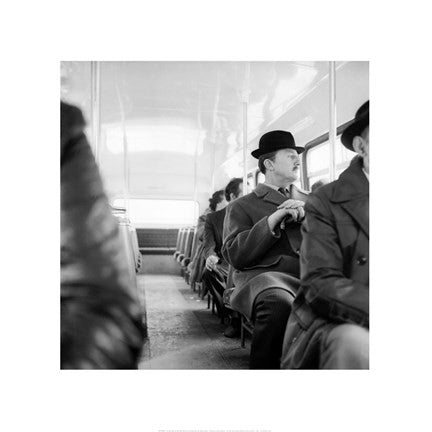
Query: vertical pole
95, 107
333, 119
126, 169
125, 143
199, 126
245, 102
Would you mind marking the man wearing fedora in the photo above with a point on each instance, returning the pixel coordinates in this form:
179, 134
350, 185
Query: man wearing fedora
261, 241
329, 325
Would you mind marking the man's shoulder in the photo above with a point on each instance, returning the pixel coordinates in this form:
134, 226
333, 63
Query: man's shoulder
321, 199
210, 217
243, 201
217, 216
325, 191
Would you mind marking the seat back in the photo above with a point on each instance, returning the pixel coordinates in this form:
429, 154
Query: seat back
137, 253
194, 242
189, 243
185, 244
182, 232
179, 237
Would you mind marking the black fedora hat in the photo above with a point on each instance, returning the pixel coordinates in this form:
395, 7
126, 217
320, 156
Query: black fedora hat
357, 126
275, 140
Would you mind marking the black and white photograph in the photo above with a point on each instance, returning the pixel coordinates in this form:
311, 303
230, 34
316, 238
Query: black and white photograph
204, 250
215, 215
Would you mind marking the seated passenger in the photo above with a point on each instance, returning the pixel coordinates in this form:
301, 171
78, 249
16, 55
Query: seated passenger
261, 241
216, 271
196, 266
101, 318
329, 325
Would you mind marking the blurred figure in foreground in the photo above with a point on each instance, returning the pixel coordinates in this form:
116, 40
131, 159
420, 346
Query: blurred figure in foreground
101, 319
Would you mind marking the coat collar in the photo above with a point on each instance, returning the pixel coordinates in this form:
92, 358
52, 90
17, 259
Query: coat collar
352, 183
351, 191
268, 194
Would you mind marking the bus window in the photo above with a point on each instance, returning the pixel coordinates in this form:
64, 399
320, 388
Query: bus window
152, 213
260, 177
317, 161
251, 181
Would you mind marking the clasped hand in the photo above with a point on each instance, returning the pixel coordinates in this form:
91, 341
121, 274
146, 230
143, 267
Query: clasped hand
211, 262
289, 211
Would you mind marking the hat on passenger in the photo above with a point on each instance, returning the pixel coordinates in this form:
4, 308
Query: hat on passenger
357, 126
275, 140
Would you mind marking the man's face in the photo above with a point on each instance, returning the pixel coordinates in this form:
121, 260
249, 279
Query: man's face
287, 164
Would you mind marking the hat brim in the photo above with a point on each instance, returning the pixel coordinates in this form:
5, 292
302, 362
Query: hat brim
258, 152
353, 130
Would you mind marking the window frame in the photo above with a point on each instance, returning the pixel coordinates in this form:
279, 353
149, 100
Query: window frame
315, 143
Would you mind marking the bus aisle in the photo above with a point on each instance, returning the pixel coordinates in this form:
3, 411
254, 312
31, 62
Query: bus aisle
182, 332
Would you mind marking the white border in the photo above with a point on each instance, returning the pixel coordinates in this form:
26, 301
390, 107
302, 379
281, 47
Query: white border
393, 37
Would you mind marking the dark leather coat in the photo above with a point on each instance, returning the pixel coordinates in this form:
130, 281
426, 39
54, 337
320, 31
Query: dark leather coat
101, 318
334, 266
261, 260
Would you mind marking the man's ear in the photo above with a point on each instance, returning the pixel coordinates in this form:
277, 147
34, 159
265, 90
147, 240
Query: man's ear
268, 164
359, 145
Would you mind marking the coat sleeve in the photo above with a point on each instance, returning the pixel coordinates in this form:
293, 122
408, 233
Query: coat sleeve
209, 241
245, 243
328, 291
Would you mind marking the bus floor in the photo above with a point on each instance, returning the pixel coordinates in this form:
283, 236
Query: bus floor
182, 332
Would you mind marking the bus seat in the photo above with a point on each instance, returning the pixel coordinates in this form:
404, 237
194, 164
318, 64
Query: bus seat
188, 252
179, 242
186, 242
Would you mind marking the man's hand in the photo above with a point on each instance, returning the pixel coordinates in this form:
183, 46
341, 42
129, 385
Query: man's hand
211, 262
289, 211
295, 215
291, 204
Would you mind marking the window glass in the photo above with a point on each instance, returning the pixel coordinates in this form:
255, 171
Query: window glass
148, 213
251, 181
342, 153
318, 161
318, 158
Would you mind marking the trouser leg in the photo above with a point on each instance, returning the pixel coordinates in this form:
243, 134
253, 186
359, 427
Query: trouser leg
345, 346
271, 311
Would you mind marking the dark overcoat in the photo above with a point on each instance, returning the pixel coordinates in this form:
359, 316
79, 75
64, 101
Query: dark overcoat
213, 232
334, 267
261, 259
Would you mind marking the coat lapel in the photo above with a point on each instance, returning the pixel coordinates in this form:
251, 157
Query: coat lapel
268, 194
359, 211
352, 192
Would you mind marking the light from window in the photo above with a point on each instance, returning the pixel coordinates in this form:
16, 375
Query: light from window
149, 213
318, 161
